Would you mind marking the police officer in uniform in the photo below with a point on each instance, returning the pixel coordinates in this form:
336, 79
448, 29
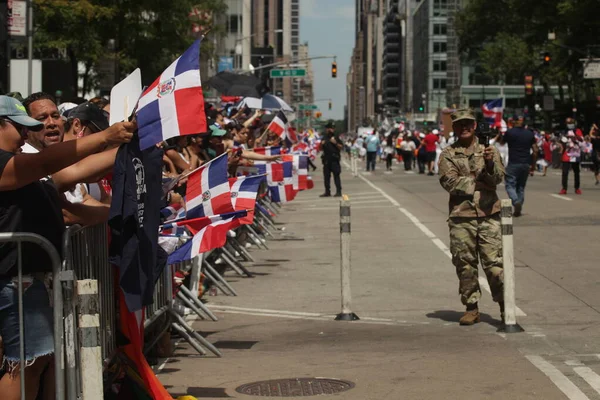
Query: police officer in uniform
331, 145
470, 172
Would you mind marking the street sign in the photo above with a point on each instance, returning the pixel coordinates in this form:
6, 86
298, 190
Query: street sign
17, 18
591, 69
308, 107
283, 73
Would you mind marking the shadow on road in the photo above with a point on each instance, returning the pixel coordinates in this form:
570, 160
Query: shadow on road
454, 316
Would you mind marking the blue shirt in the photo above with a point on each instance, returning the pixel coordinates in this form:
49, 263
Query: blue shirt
373, 142
519, 141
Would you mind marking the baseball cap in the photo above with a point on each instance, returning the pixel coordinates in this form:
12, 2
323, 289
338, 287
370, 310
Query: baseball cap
330, 124
462, 113
90, 112
216, 131
435, 132
65, 108
12, 109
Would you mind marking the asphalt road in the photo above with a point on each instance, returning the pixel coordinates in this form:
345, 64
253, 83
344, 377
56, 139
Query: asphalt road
408, 344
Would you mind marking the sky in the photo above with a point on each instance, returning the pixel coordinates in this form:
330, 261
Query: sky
328, 27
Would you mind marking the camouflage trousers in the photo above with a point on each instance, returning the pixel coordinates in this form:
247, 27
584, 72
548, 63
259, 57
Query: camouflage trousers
472, 240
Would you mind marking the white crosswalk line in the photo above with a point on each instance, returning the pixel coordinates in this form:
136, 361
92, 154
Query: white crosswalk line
558, 378
592, 378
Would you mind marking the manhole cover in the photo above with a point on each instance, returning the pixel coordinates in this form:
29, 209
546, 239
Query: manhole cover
295, 387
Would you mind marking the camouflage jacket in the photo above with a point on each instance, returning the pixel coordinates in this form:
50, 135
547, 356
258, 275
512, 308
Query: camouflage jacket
472, 189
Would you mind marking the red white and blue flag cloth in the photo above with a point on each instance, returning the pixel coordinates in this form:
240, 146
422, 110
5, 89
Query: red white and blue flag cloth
300, 148
492, 112
172, 212
273, 170
212, 236
244, 190
299, 170
268, 151
208, 189
283, 191
278, 125
174, 104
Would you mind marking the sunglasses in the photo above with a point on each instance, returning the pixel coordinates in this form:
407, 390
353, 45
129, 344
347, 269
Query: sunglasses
22, 129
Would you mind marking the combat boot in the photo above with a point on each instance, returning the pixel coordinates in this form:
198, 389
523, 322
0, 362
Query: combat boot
471, 316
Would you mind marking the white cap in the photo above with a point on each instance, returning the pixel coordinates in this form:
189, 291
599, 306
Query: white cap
435, 132
65, 107
421, 135
564, 139
451, 134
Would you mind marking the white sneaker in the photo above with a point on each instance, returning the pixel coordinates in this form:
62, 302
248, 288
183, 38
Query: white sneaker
248, 245
219, 261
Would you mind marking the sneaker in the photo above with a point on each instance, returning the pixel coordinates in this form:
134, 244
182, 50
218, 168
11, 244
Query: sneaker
577, 191
337, 195
470, 317
563, 191
430, 174
325, 195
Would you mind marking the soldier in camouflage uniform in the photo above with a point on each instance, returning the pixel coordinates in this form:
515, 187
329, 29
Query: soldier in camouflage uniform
470, 172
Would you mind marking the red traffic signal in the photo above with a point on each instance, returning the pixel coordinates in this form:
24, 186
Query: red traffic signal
334, 69
547, 58
528, 84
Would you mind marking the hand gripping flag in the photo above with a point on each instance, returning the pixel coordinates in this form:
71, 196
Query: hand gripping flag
299, 170
174, 104
283, 192
208, 189
211, 236
279, 125
244, 190
172, 212
268, 151
492, 112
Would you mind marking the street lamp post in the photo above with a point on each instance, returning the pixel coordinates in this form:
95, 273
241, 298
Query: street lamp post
239, 50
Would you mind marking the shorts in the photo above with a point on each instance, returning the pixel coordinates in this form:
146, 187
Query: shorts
430, 156
38, 319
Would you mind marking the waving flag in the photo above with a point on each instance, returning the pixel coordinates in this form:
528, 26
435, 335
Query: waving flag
492, 112
283, 192
208, 189
195, 225
279, 125
244, 190
174, 104
300, 148
268, 151
274, 171
174, 211
299, 170
212, 236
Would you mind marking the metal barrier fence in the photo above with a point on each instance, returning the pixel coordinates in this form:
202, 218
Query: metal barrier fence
19, 238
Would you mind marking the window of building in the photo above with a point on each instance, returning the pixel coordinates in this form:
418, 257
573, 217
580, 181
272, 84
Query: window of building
439, 47
295, 20
439, 65
232, 23
440, 8
440, 29
439, 83
295, 13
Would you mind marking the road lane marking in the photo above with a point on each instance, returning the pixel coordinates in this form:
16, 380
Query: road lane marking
589, 376
561, 196
558, 378
439, 243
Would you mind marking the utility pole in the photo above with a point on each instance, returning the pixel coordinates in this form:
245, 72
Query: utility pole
29, 47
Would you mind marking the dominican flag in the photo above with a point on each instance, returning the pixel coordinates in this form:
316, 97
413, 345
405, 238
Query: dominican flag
208, 189
279, 125
212, 236
299, 170
174, 211
268, 151
274, 171
300, 148
283, 192
244, 190
174, 104
492, 112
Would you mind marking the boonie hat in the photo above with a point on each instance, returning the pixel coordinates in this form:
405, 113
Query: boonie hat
462, 113
90, 112
12, 109
216, 131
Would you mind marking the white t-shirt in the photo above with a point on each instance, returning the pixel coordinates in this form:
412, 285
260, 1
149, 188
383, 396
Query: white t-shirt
408, 145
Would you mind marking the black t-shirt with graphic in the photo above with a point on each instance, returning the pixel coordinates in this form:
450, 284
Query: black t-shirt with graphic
33, 208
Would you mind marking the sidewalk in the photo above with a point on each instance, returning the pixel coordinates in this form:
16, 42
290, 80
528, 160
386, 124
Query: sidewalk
407, 345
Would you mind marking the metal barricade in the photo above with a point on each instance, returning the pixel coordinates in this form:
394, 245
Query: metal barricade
85, 252
19, 238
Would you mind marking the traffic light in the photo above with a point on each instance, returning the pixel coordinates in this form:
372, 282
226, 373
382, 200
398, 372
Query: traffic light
307, 113
421, 107
334, 69
318, 114
330, 105
547, 59
528, 85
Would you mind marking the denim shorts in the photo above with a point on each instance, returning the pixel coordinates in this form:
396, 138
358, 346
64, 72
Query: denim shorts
38, 321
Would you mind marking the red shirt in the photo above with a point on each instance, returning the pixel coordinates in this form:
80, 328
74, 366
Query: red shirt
430, 140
